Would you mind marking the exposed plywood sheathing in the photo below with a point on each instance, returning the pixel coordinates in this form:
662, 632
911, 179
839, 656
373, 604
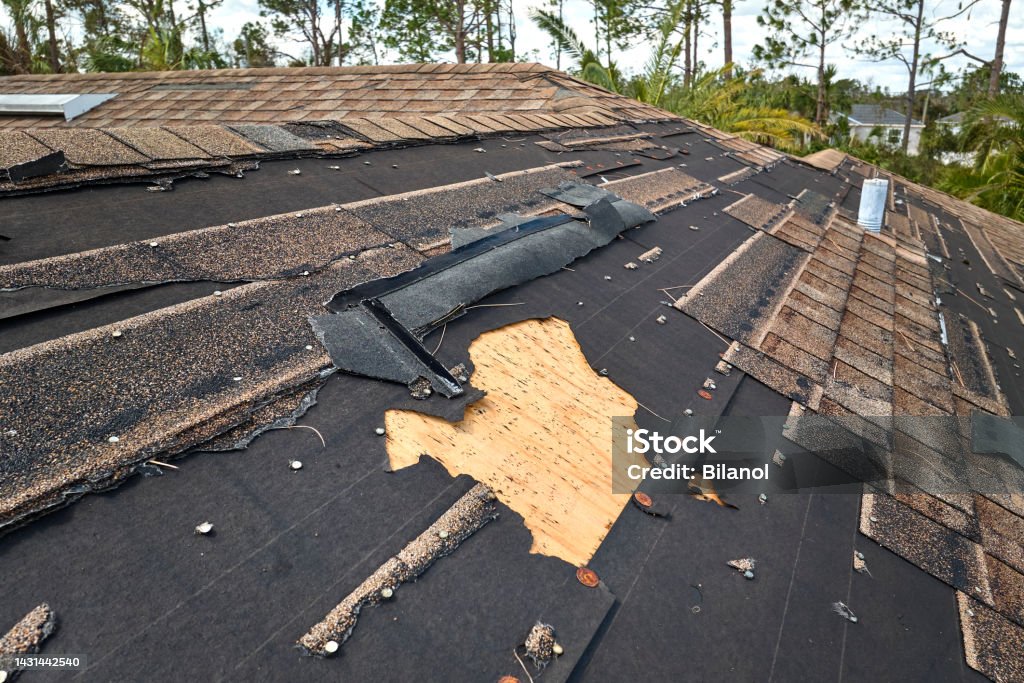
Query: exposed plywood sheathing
541, 438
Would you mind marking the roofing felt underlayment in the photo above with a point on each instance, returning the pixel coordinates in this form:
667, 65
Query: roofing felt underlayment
163, 267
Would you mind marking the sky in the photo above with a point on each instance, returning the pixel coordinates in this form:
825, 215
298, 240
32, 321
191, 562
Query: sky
978, 29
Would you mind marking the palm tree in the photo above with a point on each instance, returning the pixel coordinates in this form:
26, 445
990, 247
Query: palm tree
719, 101
587, 62
994, 131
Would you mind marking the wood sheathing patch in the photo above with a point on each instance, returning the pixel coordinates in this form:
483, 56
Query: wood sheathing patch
541, 438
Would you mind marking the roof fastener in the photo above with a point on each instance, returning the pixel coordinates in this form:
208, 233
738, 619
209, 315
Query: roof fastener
705, 394
588, 577
295, 464
295, 171
331, 646
379, 431
204, 528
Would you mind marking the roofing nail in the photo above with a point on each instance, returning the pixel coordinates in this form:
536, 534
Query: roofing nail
843, 610
295, 464
295, 171
331, 646
379, 431
204, 528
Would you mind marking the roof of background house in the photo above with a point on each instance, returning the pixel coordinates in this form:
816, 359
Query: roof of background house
958, 117
877, 115
188, 289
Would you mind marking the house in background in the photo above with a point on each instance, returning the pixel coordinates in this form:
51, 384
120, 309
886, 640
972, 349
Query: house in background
954, 124
881, 125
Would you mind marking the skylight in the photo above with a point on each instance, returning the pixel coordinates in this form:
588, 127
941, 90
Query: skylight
69, 106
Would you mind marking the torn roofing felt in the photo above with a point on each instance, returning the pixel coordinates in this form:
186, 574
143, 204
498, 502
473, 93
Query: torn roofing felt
377, 329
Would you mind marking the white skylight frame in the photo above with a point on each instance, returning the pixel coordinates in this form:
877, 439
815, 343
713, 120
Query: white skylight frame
68, 105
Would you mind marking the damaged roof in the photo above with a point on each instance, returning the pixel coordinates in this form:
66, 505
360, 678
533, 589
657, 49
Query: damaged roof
369, 334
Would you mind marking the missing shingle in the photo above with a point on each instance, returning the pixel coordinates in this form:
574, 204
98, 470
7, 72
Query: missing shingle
539, 437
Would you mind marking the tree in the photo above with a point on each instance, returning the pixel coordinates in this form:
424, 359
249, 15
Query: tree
721, 102
588, 65
727, 36
473, 29
802, 28
912, 26
997, 61
252, 47
994, 131
308, 21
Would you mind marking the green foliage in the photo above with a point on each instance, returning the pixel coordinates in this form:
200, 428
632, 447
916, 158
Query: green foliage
726, 104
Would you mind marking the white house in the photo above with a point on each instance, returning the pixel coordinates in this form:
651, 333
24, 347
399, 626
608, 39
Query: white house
881, 125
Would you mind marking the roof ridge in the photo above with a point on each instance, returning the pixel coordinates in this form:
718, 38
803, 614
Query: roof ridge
493, 67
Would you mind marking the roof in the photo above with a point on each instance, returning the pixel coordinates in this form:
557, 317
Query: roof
390, 379
958, 118
877, 115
